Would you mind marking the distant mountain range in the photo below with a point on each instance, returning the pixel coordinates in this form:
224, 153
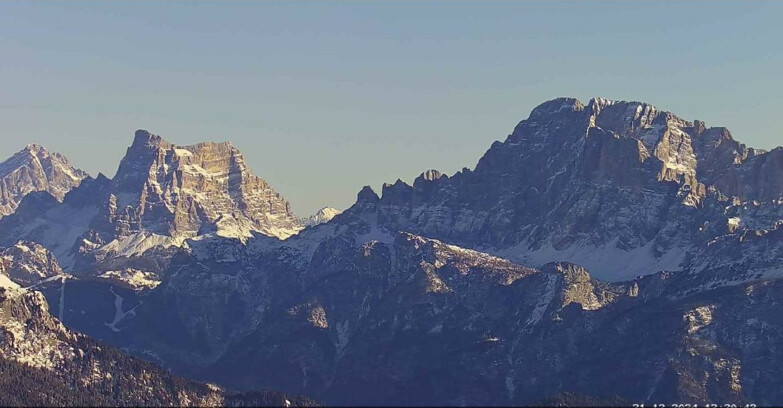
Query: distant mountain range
607, 252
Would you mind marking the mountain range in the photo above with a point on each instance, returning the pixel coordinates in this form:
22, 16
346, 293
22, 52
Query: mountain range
608, 251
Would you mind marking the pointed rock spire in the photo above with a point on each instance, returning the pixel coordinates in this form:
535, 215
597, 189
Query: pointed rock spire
367, 195
145, 139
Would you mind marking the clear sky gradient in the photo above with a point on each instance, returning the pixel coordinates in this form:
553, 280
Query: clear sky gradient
323, 98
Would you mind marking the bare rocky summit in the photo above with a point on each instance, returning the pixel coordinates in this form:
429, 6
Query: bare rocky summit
35, 169
186, 191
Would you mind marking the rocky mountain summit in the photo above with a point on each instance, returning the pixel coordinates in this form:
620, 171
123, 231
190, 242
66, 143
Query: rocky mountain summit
161, 196
35, 169
192, 190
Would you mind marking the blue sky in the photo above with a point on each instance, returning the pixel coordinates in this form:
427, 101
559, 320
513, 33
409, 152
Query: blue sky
325, 97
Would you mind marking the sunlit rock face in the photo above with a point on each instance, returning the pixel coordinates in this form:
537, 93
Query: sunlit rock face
35, 169
191, 190
161, 196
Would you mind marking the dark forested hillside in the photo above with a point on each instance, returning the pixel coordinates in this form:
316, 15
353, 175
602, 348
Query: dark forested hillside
21, 385
44, 364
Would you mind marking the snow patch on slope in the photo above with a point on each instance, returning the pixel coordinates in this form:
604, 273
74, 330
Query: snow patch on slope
607, 262
137, 244
119, 314
375, 233
543, 301
135, 279
58, 230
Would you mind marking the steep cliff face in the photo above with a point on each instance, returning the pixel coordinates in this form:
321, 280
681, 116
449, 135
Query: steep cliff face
759, 177
35, 169
162, 195
192, 190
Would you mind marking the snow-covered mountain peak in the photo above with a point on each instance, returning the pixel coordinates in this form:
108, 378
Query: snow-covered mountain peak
322, 216
660, 206
618, 180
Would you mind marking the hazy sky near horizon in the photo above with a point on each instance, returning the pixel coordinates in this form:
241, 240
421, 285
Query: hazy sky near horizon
326, 97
